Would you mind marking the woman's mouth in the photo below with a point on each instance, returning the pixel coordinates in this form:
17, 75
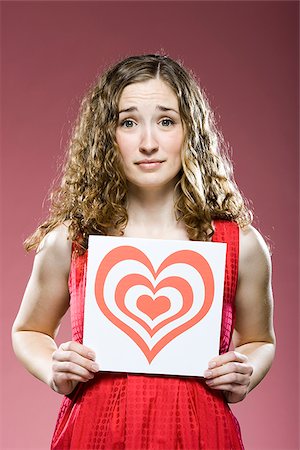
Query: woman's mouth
149, 163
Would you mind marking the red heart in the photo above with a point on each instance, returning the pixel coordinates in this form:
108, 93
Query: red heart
124, 253
153, 308
136, 279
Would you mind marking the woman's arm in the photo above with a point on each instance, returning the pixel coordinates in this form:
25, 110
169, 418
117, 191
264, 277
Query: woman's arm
239, 371
45, 302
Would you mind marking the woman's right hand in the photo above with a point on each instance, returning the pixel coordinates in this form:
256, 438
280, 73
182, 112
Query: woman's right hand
72, 363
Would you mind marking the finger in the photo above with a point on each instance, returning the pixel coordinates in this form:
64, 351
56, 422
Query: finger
81, 349
71, 369
232, 389
227, 357
73, 357
231, 367
62, 378
230, 378
68, 361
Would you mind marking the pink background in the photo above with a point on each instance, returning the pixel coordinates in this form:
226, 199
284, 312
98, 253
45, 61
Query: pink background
246, 57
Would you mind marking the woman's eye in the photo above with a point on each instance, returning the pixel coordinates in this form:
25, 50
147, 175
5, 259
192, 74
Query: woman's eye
127, 123
166, 122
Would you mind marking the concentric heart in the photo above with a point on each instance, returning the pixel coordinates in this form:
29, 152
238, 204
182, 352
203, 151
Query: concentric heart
153, 307
136, 279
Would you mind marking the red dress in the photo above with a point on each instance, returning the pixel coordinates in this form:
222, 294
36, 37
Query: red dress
137, 412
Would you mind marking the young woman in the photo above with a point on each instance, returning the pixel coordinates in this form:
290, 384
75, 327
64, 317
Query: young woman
145, 160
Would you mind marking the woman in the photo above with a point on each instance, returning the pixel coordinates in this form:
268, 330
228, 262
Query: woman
145, 161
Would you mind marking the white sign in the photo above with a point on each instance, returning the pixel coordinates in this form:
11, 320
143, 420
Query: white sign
154, 306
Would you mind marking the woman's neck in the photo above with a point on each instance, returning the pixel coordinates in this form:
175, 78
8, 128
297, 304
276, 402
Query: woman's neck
151, 214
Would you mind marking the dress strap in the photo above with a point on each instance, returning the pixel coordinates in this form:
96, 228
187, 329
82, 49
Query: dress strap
77, 283
228, 232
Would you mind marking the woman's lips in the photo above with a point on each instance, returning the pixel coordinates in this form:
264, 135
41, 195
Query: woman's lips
149, 164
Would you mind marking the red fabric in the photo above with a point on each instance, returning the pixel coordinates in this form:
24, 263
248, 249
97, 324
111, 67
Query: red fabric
135, 412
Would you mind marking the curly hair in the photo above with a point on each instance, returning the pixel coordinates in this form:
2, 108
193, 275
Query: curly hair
92, 196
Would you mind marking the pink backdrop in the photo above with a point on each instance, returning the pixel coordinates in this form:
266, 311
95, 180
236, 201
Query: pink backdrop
245, 54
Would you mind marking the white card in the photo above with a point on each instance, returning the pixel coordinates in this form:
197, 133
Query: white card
154, 306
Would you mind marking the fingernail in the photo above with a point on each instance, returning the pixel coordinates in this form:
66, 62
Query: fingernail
95, 367
207, 373
209, 382
212, 364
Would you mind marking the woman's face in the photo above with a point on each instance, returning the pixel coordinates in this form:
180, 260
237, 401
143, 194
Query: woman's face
150, 134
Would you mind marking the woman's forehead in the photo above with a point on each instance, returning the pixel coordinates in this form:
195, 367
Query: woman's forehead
150, 91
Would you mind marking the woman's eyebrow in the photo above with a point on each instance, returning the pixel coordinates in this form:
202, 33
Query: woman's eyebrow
166, 108
131, 109
159, 107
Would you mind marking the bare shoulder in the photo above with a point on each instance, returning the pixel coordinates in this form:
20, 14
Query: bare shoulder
254, 252
55, 248
254, 296
46, 297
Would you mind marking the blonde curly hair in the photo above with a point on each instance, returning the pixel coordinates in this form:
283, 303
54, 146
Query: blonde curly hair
92, 195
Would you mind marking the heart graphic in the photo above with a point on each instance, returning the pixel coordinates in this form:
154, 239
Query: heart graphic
136, 279
153, 308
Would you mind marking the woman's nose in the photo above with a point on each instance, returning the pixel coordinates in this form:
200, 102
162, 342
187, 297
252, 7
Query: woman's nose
148, 143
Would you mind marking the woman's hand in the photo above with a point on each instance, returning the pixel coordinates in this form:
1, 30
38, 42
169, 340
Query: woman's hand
72, 363
231, 373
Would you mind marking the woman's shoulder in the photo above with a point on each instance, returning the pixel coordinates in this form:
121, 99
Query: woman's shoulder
56, 247
55, 239
254, 252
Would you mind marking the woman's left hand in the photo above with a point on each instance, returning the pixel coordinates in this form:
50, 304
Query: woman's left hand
231, 373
